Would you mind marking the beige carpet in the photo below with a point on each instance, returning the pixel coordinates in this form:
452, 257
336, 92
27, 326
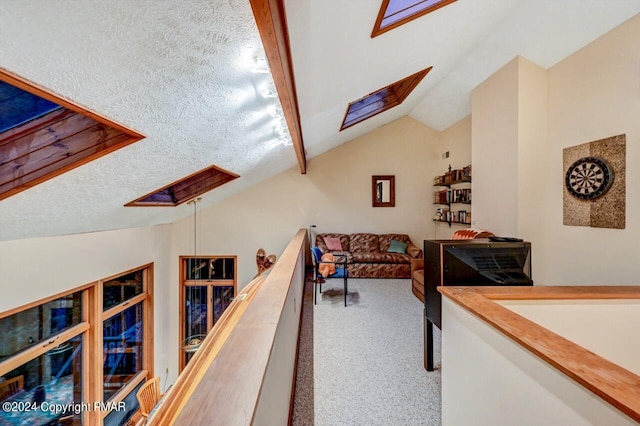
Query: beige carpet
368, 357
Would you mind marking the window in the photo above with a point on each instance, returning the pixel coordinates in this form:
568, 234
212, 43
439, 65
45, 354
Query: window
121, 289
42, 360
382, 99
394, 13
186, 189
91, 345
126, 332
43, 135
207, 286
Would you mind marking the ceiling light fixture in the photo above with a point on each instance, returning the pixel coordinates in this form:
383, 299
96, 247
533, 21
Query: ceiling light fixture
193, 342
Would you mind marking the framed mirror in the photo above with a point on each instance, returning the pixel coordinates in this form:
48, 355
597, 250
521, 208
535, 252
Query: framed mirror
383, 191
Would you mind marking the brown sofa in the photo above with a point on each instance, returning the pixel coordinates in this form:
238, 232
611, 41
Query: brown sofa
367, 255
417, 265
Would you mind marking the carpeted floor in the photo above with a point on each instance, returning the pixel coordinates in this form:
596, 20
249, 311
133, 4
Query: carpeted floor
368, 358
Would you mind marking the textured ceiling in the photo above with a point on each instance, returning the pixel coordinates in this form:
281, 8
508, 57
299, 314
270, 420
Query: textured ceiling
178, 71
336, 61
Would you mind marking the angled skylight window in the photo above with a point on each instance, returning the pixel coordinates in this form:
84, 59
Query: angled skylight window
394, 13
43, 135
382, 100
18, 107
185, 189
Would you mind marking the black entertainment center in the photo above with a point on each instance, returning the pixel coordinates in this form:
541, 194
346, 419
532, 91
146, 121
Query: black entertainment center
474, 262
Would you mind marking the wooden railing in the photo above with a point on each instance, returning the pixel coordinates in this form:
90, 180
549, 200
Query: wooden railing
244, 371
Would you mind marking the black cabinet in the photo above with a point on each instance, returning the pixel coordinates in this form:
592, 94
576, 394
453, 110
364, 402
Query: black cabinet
476, 262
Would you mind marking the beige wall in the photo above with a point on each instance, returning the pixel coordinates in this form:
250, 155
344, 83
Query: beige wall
335, 195
580, 321
533, 152
495, 152
523, 117
504, 384
457, 140
594, 94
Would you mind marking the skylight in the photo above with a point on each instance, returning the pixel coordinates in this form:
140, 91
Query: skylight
382, 100
394, 13
185, 189
18, 107
43, 135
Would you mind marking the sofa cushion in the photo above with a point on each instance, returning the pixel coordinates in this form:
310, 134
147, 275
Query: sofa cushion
377, 257
333, 243
385, 240
363, 243
344, 241
397, 247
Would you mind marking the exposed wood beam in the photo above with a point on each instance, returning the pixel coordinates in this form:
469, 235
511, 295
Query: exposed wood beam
271, 20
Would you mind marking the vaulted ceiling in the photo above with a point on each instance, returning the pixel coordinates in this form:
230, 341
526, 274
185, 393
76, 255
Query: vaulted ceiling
189, 76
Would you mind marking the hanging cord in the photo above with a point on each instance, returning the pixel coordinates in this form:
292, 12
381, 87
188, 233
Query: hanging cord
195, 202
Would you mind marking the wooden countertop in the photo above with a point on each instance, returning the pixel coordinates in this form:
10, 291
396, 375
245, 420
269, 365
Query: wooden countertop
614, 384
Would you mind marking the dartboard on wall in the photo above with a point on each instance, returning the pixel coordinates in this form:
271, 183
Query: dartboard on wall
589, 178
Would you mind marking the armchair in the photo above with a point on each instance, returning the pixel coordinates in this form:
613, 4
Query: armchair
318, 278
148, 396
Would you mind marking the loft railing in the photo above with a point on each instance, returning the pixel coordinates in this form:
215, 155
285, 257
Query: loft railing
244, 371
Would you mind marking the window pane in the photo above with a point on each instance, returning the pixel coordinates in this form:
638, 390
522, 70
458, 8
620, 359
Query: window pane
401, 9
197, 269
222, 269
122, 288
122, 337
55, 378
196, 318
129, 405
30, 327
222, 297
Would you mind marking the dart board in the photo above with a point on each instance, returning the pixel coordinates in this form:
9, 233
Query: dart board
589, 178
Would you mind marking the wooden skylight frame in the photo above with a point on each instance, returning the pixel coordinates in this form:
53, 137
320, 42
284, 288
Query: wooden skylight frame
55, 143
390, 19
185, 189
382, 99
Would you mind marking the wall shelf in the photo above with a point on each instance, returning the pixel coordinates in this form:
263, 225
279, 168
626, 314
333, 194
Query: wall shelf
457, 191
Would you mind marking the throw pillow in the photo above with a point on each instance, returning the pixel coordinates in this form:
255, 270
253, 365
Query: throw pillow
470, 233
397, 247
333, 243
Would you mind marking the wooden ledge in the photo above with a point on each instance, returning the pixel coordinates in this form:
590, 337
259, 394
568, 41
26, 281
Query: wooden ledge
614, 384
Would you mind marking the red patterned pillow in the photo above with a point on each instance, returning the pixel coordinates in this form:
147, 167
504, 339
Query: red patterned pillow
333, 244
470, 233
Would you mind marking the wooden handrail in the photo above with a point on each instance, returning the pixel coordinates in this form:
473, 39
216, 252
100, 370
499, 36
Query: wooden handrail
229, 375
613, 383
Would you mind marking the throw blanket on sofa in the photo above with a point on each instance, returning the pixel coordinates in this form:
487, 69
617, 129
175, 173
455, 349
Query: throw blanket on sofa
327, 269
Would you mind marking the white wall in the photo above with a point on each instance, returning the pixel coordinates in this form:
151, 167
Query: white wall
33, 269
504, 384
